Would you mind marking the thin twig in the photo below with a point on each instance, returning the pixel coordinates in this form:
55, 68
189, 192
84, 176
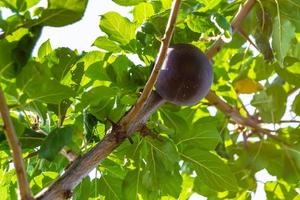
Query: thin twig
289, 121
242, 32
15, 147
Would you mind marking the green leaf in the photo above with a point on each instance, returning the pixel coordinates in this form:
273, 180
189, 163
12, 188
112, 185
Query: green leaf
103, 42
165, 151
271, 103
296, 105
211, 169
18, 5
45, 49
261, 69
127, 2
6, 61
290, 77
283, 33
203, 135
118, 28
43, 180
279, 190
47, 91
119, 71
95, 95
61, 13
209, 4
203, 189
61, 60
110, 187
83, 190
55, 141
132, 186
187, 185
142, 11
291, 164
31, 139
198, 22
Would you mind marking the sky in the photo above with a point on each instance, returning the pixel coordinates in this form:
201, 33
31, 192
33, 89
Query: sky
81, 36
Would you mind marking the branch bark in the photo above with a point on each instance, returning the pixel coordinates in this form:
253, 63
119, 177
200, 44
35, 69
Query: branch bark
15, 147
62, 187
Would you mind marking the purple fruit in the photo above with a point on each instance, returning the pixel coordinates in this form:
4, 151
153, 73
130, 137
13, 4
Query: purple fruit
186, 75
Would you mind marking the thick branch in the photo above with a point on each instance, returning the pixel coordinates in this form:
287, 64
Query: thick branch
14, 145
62, 187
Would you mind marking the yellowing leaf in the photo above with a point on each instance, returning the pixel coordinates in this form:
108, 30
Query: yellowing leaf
247, 86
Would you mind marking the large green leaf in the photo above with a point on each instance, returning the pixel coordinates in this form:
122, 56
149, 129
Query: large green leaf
165, 151
103, 42
46, 90
203, 135
110, 187
45, 49
61, 13
61, 61
132, 185
142, 11
118, 28
95, 95
211, 169
283, 33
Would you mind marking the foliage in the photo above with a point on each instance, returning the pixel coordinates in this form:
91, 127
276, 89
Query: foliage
65, 99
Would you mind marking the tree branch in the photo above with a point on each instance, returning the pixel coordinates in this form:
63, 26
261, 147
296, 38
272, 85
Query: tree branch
62, 187
155, 72
14, 145
217, 101
215, 48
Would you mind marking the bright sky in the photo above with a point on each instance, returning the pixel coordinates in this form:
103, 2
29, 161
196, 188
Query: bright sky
82, 34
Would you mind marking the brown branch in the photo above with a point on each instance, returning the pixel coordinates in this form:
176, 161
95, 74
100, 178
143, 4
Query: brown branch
155, 72
216, 47
242, 32
62, 187
15, 147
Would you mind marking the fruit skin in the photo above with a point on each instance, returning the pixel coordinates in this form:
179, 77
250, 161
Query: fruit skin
186, 75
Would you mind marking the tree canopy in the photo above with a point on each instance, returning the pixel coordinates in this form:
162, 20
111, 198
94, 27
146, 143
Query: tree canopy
68, 109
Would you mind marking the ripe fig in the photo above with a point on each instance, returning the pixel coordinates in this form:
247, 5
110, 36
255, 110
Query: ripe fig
186, 75
185, 78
